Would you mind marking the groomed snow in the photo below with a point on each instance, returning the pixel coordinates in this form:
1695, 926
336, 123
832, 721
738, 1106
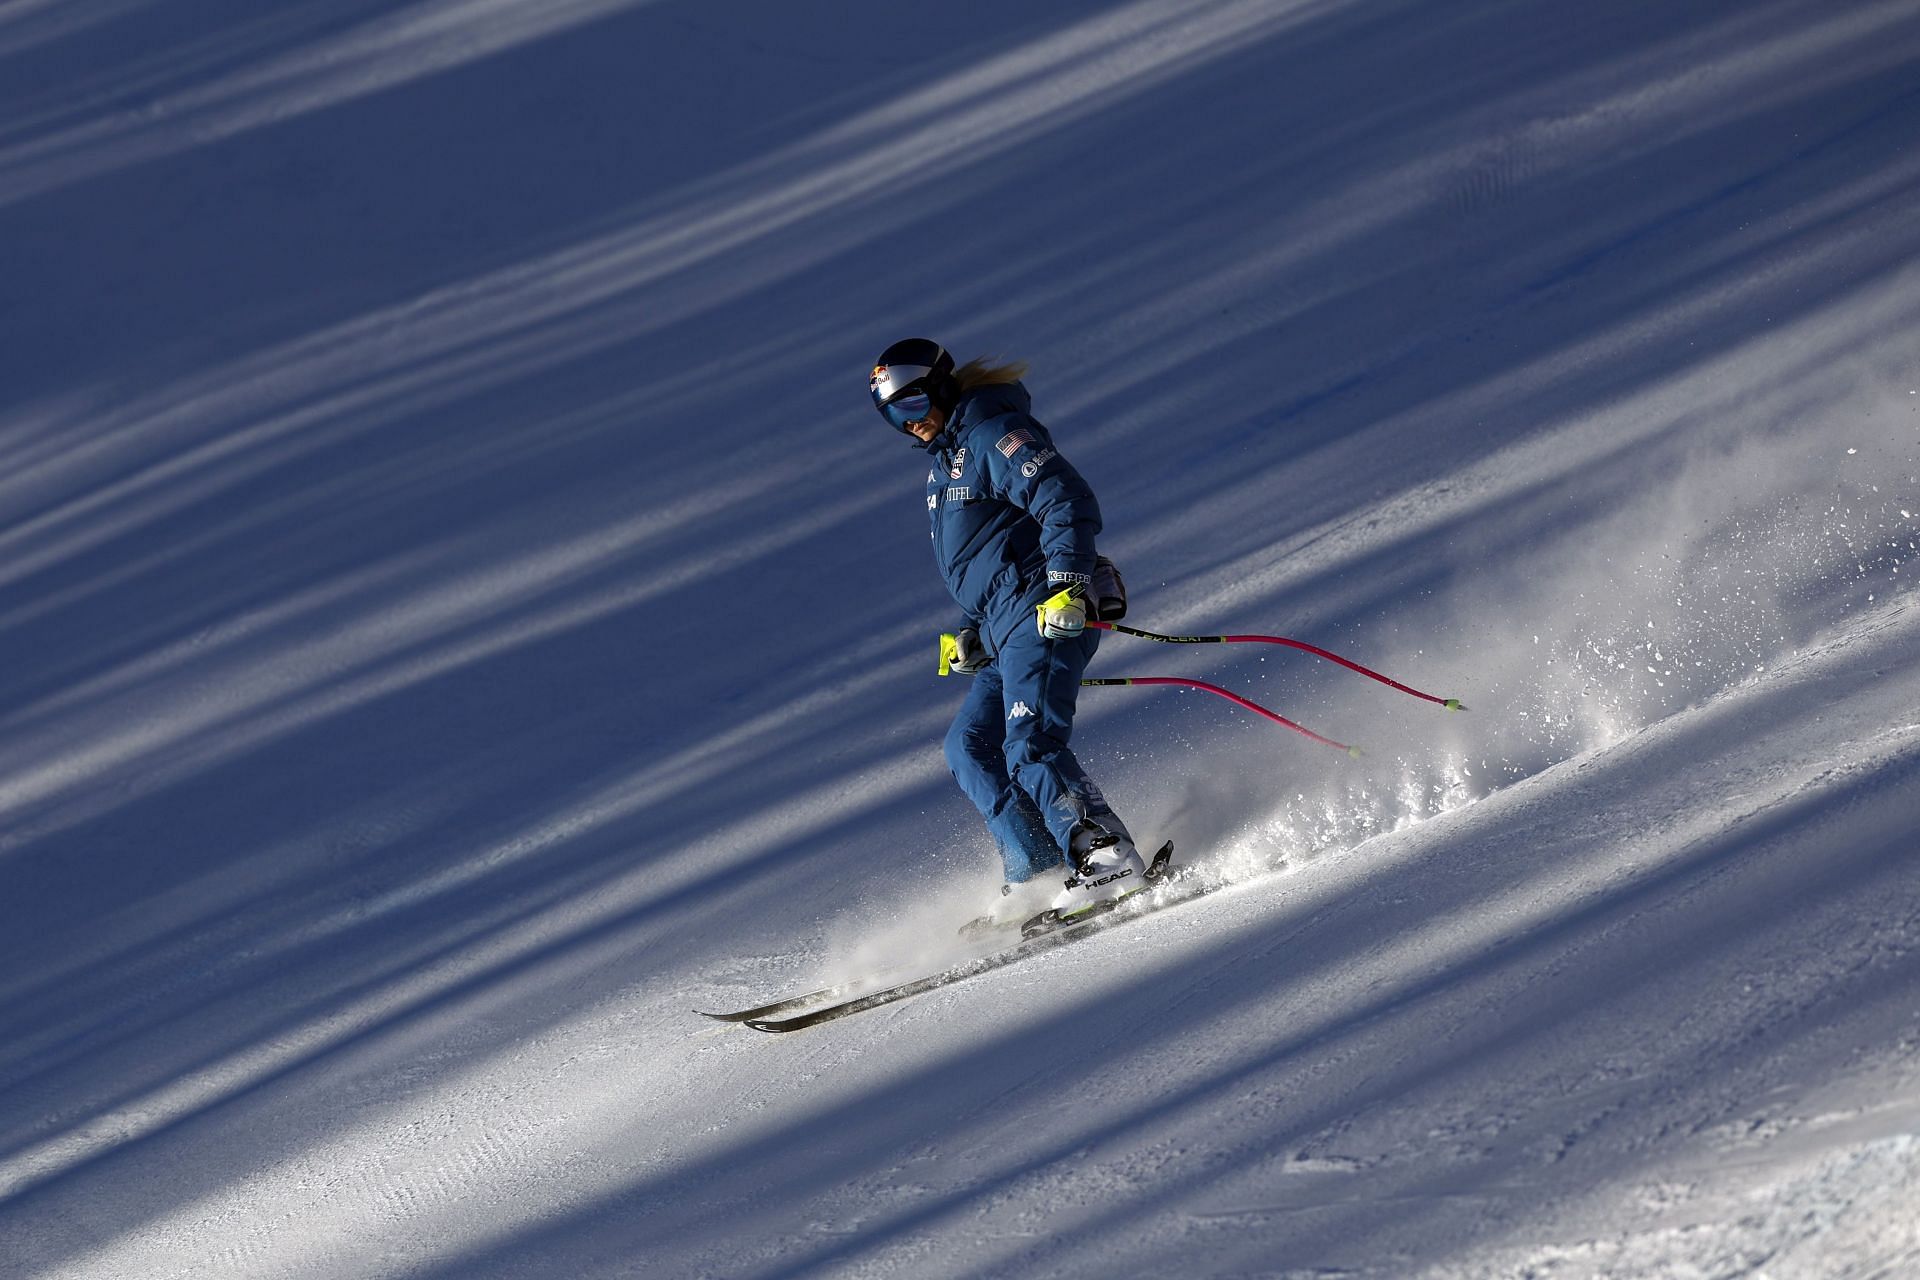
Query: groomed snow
458, 616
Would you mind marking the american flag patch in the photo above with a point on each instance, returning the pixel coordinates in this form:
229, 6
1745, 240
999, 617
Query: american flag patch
1014, 441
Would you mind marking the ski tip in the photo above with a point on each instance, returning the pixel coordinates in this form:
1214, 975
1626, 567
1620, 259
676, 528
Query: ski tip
774, 1026
1454, 704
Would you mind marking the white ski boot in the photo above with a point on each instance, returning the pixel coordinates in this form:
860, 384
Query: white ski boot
1019, 903
1016, 904
1110, 868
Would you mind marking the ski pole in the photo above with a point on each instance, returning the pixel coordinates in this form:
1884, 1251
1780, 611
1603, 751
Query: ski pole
1235, 698
1451, 704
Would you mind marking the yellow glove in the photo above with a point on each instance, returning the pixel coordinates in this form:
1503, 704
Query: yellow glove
962, 652
1063, 615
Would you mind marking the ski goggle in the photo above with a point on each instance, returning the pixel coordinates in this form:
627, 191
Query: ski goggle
904, 410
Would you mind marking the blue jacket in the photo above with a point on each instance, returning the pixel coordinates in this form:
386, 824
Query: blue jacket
1010, 515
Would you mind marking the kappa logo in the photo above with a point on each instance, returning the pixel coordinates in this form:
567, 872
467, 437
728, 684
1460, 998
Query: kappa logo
1019, 709
1041, 459
959, 464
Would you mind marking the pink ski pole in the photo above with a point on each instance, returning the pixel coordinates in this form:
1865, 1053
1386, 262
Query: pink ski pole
1451, 704
1235, 698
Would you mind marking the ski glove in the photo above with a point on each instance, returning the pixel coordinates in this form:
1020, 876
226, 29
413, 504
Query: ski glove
1109, 592
1063, 615
963, 652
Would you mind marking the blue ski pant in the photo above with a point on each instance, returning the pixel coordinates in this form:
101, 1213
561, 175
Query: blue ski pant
1008, 751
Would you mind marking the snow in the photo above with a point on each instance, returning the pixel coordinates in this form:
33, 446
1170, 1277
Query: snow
458, 615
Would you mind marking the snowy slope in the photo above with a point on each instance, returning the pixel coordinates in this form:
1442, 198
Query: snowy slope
458, 614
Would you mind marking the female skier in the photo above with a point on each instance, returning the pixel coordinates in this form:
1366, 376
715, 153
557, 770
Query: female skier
1013, 530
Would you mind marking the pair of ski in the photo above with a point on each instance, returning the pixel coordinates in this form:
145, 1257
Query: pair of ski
1043, 932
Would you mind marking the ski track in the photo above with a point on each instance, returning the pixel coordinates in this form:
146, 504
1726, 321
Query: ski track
457, 617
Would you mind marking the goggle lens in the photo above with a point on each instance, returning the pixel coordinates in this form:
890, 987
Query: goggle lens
908, 409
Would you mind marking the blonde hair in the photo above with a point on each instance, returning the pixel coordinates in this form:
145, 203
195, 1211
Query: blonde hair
983, 371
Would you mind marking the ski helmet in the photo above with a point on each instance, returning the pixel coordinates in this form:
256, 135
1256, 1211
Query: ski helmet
912, 378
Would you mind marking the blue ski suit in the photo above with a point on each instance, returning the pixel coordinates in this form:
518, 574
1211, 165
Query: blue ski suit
1013, 522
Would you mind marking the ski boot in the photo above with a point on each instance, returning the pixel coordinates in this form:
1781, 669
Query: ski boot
1107, 868
1016, 904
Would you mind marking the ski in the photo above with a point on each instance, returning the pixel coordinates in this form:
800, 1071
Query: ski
790, 1003
779, 1006
1156, 870
1054, 933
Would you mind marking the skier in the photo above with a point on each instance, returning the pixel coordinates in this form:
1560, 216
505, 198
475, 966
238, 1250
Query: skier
1013, 532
